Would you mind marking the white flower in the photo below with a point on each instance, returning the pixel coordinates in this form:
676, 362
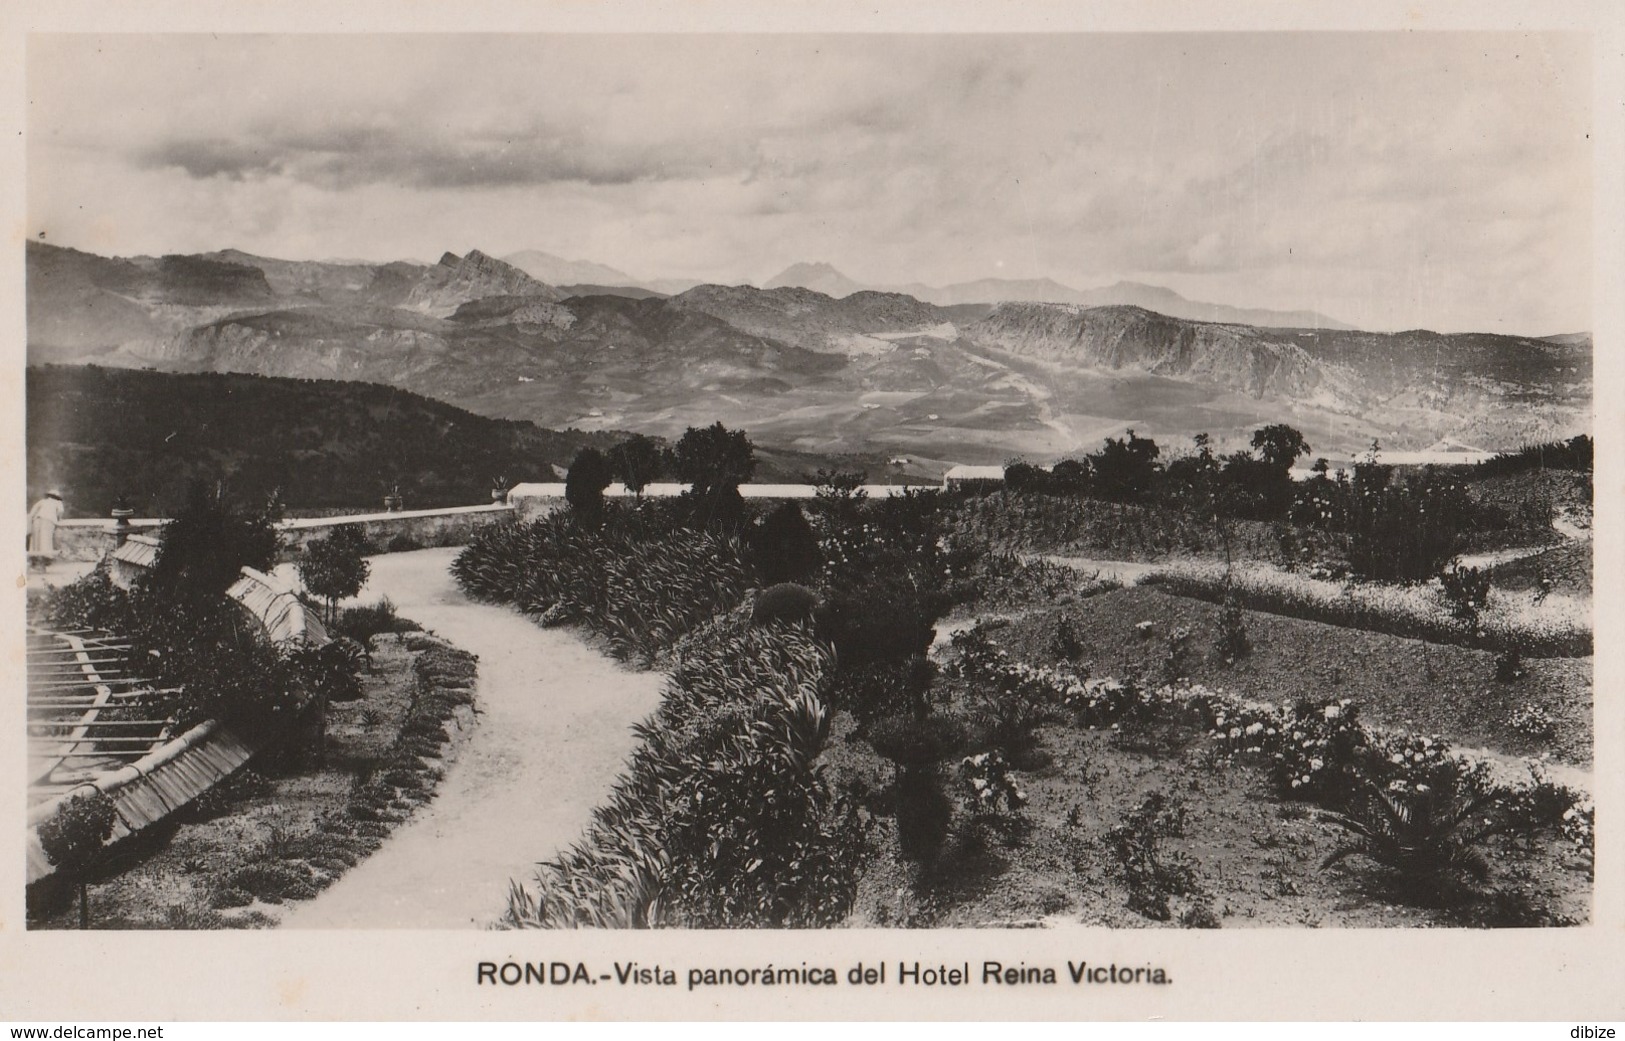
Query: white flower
1332, 712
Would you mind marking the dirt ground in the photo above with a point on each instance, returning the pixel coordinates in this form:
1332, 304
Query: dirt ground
1247, 857
1256, 860
552, 734
1434, 689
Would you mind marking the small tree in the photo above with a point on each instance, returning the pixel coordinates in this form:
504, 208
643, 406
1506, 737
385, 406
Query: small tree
73, 839
714, 461
784, 546
1125, 469
335, 568
590, 473
1279, 445
204, 548
637, 461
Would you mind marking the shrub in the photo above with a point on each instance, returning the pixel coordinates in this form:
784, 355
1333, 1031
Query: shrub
1065, 643
986, 784
1533, 722
786, 603
640, 590
74, 838
885, 688
331, 671
722, 817
1405, 532
584, 483
1152, 874
783, 546
1466, 591
910, 741
204, 548
1232, 644
923, 813
1427, 837
364, 622
1509, 665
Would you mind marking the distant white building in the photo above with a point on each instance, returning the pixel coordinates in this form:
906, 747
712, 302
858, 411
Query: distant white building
968, 477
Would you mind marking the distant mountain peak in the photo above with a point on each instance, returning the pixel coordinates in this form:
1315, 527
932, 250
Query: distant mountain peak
819, 276
557, 271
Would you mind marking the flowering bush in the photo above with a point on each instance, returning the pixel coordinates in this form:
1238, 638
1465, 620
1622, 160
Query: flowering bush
987, 785
1579, 828
1533, 722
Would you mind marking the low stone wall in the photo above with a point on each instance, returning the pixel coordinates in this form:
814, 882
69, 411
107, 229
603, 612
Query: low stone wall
406, 529
454, 526
534, 500
93, 539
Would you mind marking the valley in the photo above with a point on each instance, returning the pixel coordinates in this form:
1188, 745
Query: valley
807, 371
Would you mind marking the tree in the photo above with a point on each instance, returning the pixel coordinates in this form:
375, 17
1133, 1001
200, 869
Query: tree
785, 548
204, 548
73, 839
714, 461
1125, 470
590, 473
1279, 445
335, 568
637, 461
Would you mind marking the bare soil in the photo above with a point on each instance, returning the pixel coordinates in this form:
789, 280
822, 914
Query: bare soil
1435, 689
1248, 858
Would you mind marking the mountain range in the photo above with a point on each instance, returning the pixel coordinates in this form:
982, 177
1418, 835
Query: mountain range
802, 369
826, 279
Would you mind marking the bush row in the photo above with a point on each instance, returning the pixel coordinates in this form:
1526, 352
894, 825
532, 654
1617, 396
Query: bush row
298, 867
1040, 523
1541, 626
723, 817
1315, 751
642, 590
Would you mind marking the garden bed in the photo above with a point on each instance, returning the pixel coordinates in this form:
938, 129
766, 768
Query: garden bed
1430, 688
1254, 860
269, 835
1533, 624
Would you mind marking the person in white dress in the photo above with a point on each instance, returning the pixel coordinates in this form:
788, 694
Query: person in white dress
42, 522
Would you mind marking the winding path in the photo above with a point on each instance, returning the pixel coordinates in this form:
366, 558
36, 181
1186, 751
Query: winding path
552, 735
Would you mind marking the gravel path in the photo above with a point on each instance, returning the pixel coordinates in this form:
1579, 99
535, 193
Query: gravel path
552, 735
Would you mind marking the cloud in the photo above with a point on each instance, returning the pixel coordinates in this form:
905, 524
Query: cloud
343, 158
1276, 168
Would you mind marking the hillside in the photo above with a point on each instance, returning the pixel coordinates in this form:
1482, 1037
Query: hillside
877, 374
98, 433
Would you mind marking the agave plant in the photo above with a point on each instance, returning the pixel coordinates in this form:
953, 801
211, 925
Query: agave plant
1430, 838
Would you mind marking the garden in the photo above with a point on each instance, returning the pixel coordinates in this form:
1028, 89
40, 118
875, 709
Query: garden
896, 712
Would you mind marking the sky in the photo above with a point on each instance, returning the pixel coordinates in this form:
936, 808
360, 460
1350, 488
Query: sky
1391, 180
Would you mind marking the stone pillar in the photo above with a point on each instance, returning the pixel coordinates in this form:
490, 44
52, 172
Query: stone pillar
121, 525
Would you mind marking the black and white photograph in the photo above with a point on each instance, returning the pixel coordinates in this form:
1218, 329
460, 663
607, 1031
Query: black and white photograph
1047, 484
